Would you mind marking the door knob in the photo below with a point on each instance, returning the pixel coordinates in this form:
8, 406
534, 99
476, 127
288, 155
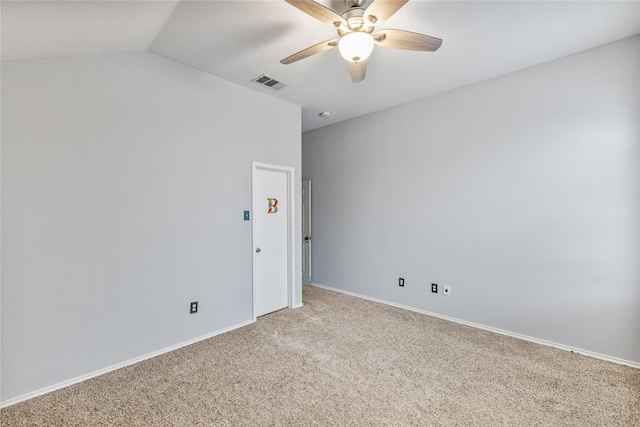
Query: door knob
258, 250
306, 238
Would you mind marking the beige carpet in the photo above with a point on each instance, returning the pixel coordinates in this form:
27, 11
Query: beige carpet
343, 361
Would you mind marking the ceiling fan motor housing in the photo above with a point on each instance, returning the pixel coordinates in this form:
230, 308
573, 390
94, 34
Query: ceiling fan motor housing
354, 3
355, 21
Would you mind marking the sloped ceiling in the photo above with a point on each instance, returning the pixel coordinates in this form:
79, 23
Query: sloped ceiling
239, 40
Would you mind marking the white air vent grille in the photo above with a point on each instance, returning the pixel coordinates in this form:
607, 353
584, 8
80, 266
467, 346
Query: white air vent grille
269, 82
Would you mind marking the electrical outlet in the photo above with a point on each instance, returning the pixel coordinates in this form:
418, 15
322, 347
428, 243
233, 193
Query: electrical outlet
434, 288
401, 282
446, 291
193, 307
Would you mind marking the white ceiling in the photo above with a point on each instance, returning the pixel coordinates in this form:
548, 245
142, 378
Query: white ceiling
239, 40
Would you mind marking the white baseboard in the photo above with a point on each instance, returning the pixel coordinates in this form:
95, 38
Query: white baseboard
491, 329
99, 372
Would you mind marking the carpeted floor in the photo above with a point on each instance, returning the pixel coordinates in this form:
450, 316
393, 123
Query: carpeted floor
345, 361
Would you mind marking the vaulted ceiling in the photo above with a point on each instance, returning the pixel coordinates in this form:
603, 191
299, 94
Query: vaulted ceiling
240, 40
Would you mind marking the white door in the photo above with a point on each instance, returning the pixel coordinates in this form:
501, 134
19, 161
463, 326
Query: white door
271, 247
306, 232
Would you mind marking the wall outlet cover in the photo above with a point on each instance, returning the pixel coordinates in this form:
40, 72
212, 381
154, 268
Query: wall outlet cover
446, 291
434, 288
400, 281
193, 308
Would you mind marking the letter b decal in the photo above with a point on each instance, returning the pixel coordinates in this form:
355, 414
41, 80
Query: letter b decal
273, 205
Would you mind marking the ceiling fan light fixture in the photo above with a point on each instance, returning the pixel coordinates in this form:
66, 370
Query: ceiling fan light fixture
356, 46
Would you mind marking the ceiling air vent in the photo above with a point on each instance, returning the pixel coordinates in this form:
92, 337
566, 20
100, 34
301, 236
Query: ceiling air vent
269, 82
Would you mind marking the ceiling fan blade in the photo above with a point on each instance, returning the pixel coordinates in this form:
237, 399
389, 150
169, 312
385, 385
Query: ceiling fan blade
381, 10
400, 39
313, 50
319, 12
357, 70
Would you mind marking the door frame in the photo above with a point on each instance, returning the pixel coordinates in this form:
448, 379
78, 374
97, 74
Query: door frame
291, 262
306, 218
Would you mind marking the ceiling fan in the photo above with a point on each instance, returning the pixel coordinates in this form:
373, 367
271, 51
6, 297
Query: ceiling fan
355, 28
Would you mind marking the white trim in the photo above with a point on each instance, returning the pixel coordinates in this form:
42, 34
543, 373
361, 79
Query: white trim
309, 231
99, 372
491, 329
291, 234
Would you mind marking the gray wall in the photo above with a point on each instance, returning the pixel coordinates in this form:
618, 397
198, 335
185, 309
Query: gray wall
521, 193
124, 178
